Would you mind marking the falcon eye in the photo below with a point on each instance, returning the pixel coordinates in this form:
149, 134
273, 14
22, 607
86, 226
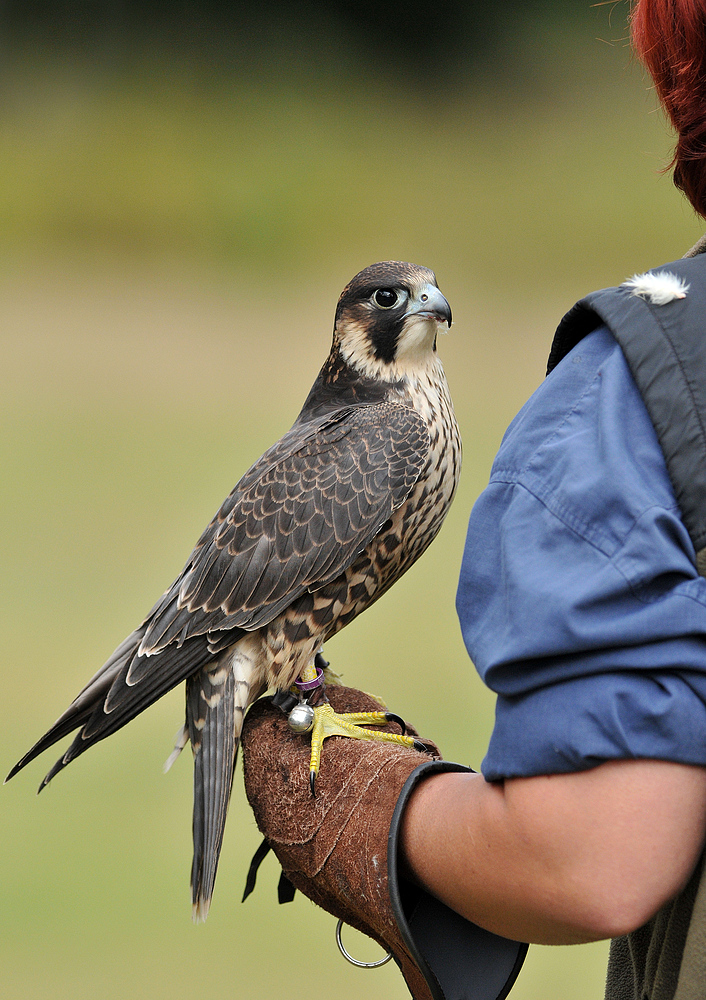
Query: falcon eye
386, 298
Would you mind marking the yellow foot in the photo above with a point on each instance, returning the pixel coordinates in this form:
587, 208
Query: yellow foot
329, 723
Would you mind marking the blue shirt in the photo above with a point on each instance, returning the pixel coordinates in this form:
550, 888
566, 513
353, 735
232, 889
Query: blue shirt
579, 599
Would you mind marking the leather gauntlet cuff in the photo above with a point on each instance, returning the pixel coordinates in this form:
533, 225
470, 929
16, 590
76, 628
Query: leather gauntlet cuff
458, 960
341, 848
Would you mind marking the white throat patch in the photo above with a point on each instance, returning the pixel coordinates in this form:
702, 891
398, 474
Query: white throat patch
416, 342
414, 355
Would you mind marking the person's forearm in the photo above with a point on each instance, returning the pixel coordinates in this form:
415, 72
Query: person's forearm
558, 859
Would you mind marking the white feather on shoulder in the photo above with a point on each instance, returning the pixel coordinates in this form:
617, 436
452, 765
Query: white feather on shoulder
658, 287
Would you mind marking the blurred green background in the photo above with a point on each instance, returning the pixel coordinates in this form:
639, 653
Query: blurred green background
184, 191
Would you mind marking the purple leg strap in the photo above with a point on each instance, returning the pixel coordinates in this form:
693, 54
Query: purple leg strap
310, 685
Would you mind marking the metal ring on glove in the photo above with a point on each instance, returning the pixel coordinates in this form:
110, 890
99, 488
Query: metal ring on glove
354, 961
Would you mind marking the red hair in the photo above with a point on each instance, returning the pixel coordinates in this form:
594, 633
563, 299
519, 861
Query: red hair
670, 38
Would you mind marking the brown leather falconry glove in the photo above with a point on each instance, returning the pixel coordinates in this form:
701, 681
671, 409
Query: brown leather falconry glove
340, 849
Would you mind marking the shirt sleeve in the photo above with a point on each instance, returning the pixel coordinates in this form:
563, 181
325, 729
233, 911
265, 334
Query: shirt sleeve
579, 599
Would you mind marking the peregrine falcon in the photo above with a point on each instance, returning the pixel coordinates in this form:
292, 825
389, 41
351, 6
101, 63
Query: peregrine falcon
319, 528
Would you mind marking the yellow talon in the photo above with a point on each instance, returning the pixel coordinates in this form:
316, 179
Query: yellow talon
329, 723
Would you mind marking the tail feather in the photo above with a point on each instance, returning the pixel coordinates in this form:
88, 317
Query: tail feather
180, 741
216, 700
219, 690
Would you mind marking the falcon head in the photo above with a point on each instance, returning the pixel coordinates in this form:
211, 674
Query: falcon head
388, 318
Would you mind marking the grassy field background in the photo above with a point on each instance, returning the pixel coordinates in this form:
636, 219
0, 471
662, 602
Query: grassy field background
171, 252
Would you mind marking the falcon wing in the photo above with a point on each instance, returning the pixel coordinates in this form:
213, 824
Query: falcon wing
296, 520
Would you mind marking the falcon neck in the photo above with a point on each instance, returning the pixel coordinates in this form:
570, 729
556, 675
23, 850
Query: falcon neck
339, 384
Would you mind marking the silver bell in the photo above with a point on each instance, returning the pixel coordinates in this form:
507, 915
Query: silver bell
301, 718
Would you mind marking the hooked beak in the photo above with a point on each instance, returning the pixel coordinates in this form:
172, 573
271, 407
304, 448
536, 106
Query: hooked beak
429, 303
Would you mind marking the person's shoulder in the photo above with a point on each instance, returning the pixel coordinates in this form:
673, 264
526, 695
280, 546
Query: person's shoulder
584, 444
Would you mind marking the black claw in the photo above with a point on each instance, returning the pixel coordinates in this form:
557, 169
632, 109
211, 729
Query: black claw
422, 747
319, 661
312, 783
391, 717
